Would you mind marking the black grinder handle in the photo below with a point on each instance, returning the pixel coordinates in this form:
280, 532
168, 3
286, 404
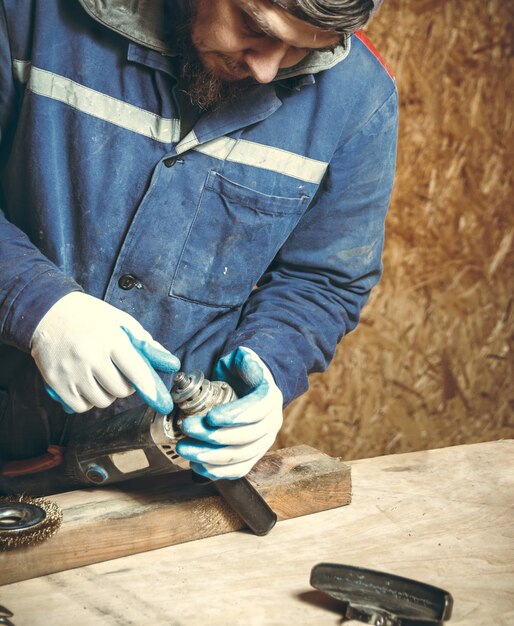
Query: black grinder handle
247, 502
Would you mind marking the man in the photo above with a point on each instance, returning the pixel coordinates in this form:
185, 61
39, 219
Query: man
199, 184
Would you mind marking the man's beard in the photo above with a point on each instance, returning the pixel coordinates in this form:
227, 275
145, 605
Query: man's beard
205, 89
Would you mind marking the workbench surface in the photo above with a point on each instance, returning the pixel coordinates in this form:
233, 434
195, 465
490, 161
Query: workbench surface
445, 517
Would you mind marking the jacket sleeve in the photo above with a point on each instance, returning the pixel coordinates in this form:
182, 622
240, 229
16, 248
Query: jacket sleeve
29, 283
313, 292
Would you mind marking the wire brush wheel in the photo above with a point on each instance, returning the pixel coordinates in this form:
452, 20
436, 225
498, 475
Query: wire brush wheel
25, 520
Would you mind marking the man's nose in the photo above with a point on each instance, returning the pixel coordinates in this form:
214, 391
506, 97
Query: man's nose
264, 60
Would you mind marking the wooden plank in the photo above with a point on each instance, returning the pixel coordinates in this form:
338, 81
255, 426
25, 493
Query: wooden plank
103, 524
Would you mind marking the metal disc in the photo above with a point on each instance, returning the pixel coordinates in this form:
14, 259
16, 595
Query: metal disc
18, 516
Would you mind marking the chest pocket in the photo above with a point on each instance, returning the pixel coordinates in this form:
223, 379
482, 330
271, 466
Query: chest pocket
235, 234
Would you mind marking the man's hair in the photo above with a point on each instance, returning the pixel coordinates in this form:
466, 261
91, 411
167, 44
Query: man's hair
340, 16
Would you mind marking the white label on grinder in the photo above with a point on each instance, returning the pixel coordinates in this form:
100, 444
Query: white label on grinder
130, 461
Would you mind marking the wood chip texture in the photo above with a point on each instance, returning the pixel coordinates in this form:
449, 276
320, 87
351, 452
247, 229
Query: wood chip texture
431, 363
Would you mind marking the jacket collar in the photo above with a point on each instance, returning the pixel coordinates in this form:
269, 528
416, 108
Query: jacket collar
142, 22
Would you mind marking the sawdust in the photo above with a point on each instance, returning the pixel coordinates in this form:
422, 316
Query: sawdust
431, 364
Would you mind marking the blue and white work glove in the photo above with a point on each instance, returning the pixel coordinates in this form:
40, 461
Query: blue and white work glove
91, 353
232, 437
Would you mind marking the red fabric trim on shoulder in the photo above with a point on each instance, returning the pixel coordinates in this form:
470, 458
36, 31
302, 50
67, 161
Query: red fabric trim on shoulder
373, 50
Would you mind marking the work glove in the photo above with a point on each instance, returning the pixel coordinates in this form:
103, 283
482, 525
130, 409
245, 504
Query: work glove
232, 437
91, 353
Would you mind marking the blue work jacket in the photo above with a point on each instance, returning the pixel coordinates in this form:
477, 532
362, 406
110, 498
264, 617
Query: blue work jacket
262, 227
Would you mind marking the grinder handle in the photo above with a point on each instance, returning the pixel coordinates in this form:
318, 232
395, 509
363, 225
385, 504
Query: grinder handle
248, 503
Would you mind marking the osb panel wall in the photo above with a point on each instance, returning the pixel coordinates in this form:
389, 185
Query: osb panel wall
431, 364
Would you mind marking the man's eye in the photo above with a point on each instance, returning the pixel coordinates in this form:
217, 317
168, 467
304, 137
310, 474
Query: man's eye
251, 27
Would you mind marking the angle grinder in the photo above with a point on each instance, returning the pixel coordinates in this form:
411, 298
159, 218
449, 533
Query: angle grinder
141, 442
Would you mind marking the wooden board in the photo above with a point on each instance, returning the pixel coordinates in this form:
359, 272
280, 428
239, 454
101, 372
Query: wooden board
440, 516
103, 524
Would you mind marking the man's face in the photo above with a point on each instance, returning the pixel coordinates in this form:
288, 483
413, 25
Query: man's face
252, 39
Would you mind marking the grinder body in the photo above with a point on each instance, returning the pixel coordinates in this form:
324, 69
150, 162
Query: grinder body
135, 443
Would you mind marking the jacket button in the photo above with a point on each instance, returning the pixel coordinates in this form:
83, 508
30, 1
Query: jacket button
127, 281
170, 161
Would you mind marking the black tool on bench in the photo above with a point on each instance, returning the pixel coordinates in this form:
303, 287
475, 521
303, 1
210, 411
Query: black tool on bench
380, 598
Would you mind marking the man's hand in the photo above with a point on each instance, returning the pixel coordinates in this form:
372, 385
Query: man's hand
232, 437
91, 353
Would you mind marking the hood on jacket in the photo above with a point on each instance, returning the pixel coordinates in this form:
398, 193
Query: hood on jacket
144, 22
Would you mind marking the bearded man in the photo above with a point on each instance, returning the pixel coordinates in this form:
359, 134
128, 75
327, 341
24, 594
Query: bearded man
196, 182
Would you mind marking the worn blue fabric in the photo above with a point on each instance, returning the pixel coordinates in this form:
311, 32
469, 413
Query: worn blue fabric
264, 227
